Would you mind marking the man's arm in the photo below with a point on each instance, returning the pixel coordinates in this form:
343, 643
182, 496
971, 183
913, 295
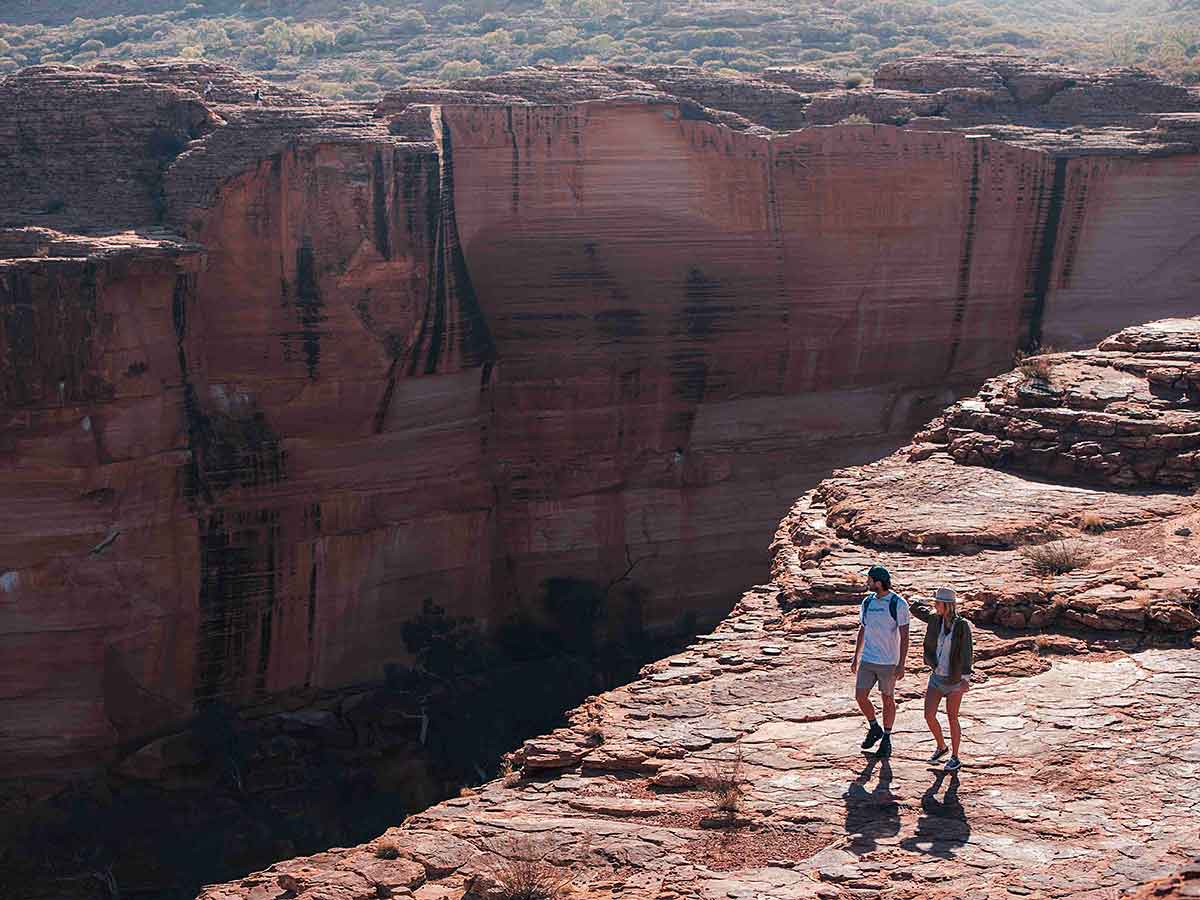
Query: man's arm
903, 651
857, 650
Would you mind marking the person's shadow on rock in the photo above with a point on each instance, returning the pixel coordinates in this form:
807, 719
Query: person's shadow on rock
871, 815
943, 824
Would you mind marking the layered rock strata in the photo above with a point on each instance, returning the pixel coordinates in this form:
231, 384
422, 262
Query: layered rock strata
1127, 414
1081, 772
461, 351
939, 90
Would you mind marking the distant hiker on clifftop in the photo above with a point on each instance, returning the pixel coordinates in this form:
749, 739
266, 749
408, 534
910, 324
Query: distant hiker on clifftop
949, 651
879, 655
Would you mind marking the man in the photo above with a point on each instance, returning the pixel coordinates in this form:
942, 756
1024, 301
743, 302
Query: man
879, 655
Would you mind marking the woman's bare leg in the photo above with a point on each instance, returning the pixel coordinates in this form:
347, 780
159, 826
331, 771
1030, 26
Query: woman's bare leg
932, 699
953, 702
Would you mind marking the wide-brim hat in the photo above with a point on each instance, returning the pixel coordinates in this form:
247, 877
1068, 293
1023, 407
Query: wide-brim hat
945, 595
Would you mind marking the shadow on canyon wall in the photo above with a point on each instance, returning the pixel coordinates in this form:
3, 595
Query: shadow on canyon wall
239, 790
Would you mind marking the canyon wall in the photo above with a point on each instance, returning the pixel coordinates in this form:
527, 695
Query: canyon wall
691, 323
1127, 249
465, 353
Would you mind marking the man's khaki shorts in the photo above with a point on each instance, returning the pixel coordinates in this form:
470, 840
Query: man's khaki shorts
869, 674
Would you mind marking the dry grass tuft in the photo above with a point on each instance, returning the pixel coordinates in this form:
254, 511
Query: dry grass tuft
387, 850
526, 876
510, 775
594, 735
855, 119
1092, 523
1036, 366
723, 780
1056, 557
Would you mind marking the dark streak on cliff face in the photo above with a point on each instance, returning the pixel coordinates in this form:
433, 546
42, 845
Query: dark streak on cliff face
516, 166
198, 430
453, 329
698, 321
309, 308
1078, 208
312, 617
239, 555
1035, 305
379, 209
978, 153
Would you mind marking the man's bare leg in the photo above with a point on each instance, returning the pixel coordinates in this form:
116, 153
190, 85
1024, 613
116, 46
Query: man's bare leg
889, 711
864, 703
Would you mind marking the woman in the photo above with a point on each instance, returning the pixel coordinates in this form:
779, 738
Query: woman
949, 652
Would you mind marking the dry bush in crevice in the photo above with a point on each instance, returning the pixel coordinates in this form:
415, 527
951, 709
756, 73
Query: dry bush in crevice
593, 735
723, 781
1056, 557
525, 875
1036, 366
387, 850
510, 775
1092, 522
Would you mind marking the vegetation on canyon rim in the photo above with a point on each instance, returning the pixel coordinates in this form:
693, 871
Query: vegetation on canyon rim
1056, 557
359, 50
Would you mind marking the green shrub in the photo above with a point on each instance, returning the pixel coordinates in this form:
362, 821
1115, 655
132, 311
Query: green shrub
258, 58
490, 23
456, 69
412, 21
351, 34
693, 39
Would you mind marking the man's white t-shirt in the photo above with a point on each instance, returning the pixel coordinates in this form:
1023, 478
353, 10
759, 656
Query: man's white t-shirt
881, 634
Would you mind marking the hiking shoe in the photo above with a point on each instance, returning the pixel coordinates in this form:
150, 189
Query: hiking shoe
938, 754
952, 764
874, 733
885, 747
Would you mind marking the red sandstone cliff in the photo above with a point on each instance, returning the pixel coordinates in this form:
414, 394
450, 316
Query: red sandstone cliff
450, 352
